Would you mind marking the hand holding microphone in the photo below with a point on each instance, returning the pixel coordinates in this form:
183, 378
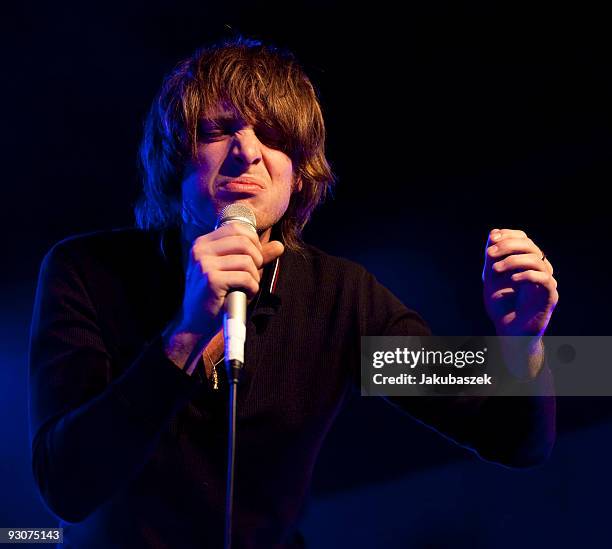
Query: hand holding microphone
228, 258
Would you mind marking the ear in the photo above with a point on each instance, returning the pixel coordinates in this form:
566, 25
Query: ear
297, 186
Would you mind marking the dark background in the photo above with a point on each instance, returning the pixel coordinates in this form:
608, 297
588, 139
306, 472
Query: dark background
444, 122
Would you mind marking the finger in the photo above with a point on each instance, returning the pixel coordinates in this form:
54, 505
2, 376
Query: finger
505, 245
537, 277
502, 293
223, 281
549, 266
272, 250
501, 234
509, 246
238, 245
519, 262
234, 228
238, 263
499, 284
495, 237
243, 281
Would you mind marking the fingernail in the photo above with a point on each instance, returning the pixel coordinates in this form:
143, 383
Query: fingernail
493, 250
496, 237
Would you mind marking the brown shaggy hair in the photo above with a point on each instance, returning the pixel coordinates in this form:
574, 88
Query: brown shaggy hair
262, 85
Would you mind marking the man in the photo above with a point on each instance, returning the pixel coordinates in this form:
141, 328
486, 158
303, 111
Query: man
128, 418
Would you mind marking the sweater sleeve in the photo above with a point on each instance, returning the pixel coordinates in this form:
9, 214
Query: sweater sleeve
516, 431
90, 434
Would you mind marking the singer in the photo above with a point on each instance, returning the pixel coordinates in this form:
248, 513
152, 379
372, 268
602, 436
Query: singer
128, 392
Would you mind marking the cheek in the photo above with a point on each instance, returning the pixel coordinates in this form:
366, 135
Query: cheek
210, 158
286, 179
202, 173
282, 170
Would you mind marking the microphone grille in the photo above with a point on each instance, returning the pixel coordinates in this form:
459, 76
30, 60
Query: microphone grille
237, 212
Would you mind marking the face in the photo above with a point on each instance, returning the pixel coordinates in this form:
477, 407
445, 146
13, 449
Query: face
236, 162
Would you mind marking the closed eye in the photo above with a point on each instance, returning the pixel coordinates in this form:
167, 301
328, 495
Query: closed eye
270, 137
210, 131
211, 135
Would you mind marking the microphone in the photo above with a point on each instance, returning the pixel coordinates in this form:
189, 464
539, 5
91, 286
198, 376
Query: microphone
234, 318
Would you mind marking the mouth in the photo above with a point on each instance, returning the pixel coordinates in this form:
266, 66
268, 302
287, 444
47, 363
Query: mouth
240, 185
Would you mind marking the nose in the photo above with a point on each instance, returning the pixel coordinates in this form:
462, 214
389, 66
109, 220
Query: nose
246, 147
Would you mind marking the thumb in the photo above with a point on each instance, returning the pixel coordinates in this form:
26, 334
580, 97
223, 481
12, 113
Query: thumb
271, 250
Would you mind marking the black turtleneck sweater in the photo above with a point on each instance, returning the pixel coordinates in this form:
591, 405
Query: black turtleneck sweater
130, 451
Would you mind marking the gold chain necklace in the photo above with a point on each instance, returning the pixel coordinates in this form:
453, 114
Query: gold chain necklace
214, 374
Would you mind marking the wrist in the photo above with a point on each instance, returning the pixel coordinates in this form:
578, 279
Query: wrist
524, 356
183, 345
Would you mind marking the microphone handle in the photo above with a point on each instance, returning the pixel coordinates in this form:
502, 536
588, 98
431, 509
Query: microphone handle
234, 328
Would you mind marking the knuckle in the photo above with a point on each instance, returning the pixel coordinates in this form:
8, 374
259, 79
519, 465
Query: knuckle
254, 253
194, 253
250, 283
200, 240
503, 247
213, 279
201, 250
203, 269
535, 259
199, 266
248, 263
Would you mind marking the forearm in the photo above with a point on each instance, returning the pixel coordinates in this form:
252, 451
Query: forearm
520, 430
183, 346
517, 431
83, 458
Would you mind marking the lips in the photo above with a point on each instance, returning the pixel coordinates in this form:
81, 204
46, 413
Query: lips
241, 185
